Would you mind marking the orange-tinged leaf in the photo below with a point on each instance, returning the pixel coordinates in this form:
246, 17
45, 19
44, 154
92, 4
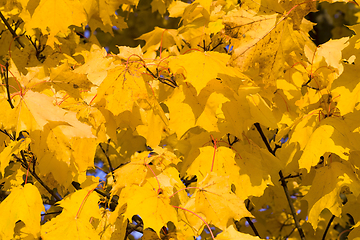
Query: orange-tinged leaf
154, 209
325, 190
25, 204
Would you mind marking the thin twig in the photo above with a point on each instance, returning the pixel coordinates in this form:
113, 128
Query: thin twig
7, 84
25, 165
292, 209
283, 183
258, 128
252, 226
15, 36
328, 226
108, 159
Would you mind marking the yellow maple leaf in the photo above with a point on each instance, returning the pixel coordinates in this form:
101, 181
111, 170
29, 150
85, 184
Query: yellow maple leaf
133, 172
201, 67
153, 207
55, 16
331, 136
262, 42
325, 190
78, 208
232, 233
25, 204
12, 148
215, 200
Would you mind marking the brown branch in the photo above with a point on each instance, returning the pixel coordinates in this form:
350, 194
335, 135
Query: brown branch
283, 183
108, 159
7, 84
15, 36
26, 166
328, 226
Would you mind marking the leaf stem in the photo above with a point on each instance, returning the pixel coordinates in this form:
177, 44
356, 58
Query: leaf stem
83, 203
212, 235
159, 189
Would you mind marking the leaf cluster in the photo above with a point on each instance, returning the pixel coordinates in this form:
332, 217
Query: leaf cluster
233, 125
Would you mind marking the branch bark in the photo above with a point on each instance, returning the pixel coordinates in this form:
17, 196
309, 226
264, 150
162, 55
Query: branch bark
11, 30
283, 183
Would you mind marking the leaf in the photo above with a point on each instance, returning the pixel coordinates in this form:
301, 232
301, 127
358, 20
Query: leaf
46, 16
215, 200
154, 209
74, 222
331, 136
134, 172
262, 43
70, 156
201, 67
232, 233
8, 151
35, 110
121, 90
325, 190
23, 204
70, 227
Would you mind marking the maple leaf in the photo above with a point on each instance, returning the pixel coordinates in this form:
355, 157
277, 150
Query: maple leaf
23, 204
154, 208
325, 194
331, 136
252, 33
134, 172
347, 89
201, 67
232, 233
70, 155
78, 208
8, 151
215, 200
46, 16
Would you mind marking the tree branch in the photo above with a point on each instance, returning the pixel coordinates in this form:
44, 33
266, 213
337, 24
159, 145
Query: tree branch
15, 36
108, 159
328, 226
283, 183
7, 84
26, 166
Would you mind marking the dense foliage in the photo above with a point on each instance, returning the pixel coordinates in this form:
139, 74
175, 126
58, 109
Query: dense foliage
228, 122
